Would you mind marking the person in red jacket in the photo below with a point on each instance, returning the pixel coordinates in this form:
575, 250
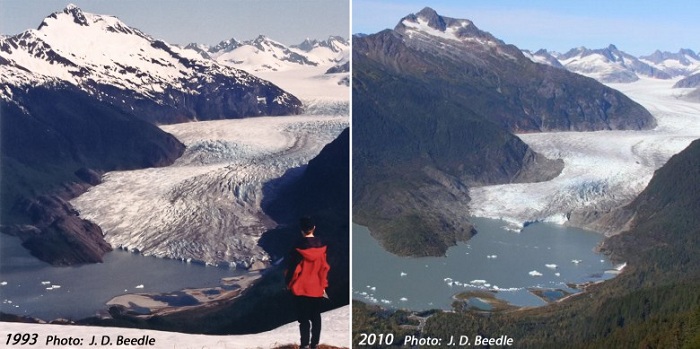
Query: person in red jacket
307, 279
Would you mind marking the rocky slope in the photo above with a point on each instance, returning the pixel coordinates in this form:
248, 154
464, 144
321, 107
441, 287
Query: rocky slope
434, 103
54, 148
689, 82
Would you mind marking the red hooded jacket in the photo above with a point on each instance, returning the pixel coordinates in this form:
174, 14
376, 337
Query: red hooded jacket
310, 277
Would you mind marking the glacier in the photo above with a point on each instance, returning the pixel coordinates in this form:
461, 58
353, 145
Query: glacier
603, 169
206, 207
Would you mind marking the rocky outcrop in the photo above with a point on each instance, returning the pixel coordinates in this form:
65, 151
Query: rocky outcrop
689, 82
57, 234
56, 142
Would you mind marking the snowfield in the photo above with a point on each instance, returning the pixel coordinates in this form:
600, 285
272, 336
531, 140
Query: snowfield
206, 206
320, 93
336, 331
603, 169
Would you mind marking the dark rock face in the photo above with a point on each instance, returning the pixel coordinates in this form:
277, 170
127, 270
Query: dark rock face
663, 220
341, 68
433, 115
56, 142
217, 98
58, 236
322, 192
691, 81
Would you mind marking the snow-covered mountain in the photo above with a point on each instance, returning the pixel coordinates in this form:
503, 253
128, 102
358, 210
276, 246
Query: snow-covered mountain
683, 63
608, 65
613, 65
544, 57
134, 71
316, 71
335, 49
264, 54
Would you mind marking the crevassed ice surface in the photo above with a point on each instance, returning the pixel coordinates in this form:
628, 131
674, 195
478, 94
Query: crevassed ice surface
206, 206
603, 169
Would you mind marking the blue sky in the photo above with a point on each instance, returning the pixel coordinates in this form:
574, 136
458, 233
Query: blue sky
204, 21
636, 26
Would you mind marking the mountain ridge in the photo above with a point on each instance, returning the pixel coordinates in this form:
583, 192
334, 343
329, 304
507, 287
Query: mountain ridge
130, 69
611, 64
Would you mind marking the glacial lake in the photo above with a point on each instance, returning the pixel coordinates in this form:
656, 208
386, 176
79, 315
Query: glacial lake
31, 287
543, 255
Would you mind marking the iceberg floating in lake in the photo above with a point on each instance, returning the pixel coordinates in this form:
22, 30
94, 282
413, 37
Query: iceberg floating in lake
403, 299
139, 286
477, 282
535, 273
46, 282
3, 283
576, 261
557, 274
403, 274
551, 266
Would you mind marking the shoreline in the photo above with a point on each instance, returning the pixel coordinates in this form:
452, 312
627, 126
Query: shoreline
147, 305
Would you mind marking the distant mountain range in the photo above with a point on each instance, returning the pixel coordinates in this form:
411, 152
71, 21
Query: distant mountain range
611, 64
435, 103
265, 54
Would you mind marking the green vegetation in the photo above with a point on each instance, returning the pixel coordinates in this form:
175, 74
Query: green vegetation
654, 303
373, 319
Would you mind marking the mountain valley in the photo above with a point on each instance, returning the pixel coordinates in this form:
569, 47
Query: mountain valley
436, 102
124, 141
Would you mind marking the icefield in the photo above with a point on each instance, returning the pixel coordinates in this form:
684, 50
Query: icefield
206, 206
603, 169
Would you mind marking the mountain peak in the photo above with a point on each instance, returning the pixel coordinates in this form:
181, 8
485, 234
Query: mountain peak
433, 18
427, 22
77, 13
